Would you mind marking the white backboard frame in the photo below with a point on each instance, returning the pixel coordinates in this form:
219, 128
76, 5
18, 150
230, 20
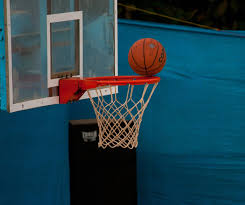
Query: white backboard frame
63, 17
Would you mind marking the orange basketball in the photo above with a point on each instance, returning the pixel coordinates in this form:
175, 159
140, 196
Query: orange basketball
147, 56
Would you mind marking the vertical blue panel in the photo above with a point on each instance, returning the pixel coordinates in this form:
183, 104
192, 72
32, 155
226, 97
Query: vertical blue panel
34, 154
34, 157
3, 92
191, 144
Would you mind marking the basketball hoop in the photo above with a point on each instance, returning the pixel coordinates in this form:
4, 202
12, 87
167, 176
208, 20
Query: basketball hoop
119, 117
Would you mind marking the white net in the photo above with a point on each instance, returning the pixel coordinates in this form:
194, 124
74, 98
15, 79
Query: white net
119, 123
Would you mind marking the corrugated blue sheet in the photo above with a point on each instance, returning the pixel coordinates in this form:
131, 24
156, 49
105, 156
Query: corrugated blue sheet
192, 141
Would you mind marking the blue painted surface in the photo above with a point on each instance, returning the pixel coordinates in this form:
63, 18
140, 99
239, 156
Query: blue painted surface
34, 154
34, 157
191, 148
3, 92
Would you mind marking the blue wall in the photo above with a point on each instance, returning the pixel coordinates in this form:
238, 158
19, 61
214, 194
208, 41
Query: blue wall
34, 154
192, 141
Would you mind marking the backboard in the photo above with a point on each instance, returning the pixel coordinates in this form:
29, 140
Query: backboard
46, 40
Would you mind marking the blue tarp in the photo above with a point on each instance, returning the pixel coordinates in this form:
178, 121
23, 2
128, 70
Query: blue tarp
192, 140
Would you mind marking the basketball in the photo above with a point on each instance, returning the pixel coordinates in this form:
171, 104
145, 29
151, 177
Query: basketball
147, 57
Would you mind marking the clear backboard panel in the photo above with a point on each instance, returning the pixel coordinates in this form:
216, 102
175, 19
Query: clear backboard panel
64, 54
83, 43
99, 47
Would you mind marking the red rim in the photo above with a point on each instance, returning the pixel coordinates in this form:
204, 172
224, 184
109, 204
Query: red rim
71, 89
124, 80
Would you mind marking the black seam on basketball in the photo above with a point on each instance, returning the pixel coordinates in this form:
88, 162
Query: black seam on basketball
155, 58
135, 60
158, 66
139, 70
163, 64
144, 56
150, 71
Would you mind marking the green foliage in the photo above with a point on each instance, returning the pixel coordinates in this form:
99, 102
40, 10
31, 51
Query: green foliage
222, 14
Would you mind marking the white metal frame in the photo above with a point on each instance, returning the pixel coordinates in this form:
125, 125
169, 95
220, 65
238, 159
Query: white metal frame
63, 17
49, 100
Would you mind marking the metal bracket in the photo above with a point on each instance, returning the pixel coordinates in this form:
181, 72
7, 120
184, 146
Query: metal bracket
70, 90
